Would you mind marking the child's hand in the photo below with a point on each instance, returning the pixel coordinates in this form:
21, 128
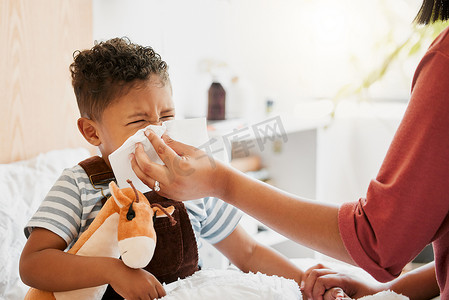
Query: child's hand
319, 283
135, 283
336, 293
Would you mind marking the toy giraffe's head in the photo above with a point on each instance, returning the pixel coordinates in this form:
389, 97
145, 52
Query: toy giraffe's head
136, 234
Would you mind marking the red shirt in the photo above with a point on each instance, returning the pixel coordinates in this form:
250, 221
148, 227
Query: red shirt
407, 205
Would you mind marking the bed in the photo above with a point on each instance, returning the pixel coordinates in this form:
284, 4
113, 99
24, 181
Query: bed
25, 183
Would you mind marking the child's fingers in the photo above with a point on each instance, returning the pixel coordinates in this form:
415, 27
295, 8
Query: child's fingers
157, 291
339, 294
335, 293
160, 290
153, 293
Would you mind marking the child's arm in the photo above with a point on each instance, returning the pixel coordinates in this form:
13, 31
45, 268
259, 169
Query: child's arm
44, 265
248, 255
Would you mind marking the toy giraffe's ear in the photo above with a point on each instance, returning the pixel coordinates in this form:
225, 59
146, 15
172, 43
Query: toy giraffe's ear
159, 213
116, 193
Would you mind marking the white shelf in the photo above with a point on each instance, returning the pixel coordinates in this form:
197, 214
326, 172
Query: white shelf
289, 123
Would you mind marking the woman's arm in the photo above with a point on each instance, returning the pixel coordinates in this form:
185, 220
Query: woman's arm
190, 173
418, 284
249, 256
300, 220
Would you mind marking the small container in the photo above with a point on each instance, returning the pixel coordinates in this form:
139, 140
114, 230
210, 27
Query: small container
269, 106
216, 109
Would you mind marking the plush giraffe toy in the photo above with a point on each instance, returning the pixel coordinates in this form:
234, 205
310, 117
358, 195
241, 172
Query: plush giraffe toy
123, 227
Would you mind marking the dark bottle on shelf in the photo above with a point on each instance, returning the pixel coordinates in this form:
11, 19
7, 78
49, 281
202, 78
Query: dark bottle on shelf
216, 102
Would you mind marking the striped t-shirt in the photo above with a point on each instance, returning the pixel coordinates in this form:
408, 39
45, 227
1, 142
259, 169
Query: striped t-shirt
72, 204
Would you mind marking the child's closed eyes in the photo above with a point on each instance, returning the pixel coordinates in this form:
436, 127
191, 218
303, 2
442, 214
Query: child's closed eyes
146, 122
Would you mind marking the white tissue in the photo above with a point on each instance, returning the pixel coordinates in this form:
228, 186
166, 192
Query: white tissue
189, 131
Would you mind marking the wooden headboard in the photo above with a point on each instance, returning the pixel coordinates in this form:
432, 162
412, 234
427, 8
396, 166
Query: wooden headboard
38, 110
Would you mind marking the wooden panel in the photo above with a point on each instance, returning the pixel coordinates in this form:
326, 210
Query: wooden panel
38, 110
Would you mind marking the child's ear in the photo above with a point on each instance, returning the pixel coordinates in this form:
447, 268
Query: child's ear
88, 129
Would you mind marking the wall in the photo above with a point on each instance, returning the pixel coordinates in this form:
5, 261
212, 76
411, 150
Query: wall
37, 105
291, 50
183, 32
352, 147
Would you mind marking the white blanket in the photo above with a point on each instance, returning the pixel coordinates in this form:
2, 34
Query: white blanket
235, 285
232, 284
23, 186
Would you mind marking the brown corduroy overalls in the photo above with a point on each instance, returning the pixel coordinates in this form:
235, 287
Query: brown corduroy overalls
176, 253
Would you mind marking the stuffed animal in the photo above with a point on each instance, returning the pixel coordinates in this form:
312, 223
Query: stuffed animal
123, 227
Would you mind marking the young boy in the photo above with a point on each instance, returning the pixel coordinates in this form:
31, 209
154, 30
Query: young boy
120, 88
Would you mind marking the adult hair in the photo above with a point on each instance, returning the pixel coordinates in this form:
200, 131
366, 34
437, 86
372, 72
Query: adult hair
432, 11
108, 70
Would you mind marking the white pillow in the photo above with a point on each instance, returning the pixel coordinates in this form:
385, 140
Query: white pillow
235, 285
23, 186
232, 284
385, 295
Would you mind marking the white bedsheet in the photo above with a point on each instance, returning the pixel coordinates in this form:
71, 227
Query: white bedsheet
23, 186
232, 284
235, 285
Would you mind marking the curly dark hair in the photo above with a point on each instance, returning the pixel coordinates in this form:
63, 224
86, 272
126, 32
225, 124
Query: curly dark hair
109, 70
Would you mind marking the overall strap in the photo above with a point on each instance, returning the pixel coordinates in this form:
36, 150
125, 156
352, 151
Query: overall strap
99, 173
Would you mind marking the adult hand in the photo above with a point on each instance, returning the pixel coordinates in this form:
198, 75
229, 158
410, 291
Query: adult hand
319, 280
188, 173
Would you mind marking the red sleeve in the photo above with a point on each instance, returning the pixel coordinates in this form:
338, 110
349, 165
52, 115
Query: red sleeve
407, 203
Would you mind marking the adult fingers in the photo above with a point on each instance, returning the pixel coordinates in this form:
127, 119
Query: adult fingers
324, 283
317, 266
180, 148
147, 180
311, 284
165, 153
145, 169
